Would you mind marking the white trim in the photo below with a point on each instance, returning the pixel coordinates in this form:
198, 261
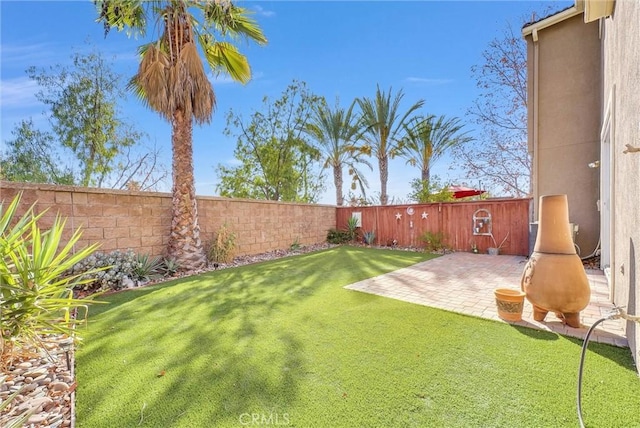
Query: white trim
607, 143
574, 10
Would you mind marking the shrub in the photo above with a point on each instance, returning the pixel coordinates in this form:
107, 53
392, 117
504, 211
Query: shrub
352, 228
222, 246
369, 237
104, 271
336, 236
434, 241
36, 289
147, 268
168, 267
296, 245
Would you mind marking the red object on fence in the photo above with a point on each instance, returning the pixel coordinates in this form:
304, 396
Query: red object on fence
463, 192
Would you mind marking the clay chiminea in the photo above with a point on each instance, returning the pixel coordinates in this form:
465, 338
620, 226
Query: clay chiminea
554, 278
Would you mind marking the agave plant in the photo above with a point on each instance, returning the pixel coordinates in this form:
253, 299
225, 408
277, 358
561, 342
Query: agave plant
36, 291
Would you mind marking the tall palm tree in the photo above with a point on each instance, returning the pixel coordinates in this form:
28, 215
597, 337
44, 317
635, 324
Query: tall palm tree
428, 138
383, 128
172, 81
335, 132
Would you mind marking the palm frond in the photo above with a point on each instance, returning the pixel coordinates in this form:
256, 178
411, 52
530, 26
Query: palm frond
230, 19
225, 57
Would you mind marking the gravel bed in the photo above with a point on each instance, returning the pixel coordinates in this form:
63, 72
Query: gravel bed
46, 386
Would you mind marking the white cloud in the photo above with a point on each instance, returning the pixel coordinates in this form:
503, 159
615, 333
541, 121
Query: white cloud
428, 81
263, 12
26, 53
18, 92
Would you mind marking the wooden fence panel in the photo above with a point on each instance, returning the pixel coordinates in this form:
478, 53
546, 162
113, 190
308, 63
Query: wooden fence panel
405, 224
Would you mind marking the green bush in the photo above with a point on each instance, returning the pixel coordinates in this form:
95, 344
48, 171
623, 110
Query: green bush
107, 271
368, 237
36, 288
223, 245
168, 267
336, 236
352, 228
434, 241
147, 268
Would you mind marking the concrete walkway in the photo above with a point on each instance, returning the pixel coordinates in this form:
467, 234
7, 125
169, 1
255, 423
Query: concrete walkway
464, 283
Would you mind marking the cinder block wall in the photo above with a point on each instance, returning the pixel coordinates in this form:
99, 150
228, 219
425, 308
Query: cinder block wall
141, 220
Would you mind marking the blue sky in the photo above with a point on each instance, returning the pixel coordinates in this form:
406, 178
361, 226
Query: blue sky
340, 49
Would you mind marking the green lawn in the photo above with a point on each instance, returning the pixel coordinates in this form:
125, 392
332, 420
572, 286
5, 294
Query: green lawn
283, 343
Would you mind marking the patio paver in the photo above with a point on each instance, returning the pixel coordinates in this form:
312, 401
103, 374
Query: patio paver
464, 283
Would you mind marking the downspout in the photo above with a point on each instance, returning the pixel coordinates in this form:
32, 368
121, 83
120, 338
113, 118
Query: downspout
534, 130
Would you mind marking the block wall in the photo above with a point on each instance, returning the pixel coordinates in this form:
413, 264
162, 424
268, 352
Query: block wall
141, 220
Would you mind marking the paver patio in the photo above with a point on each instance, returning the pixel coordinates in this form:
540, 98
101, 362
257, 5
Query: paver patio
464, 283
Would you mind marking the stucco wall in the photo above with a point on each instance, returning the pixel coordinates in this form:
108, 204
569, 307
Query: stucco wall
621, 48
565, 132
141, 220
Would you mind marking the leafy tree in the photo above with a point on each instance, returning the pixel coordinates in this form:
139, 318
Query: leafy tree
31, 157
277, 163
432, 190
427, 139
171, 80
83, 113
383, 127
88, 144
500, 158
335, 133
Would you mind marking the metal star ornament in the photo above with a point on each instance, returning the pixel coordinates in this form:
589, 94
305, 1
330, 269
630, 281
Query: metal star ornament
425, 215
398, 216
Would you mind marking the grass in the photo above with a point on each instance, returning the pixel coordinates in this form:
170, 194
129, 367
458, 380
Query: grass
283, 343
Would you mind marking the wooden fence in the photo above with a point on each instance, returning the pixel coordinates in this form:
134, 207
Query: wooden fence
407, 223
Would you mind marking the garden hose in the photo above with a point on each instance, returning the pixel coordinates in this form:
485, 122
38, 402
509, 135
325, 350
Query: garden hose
617, 312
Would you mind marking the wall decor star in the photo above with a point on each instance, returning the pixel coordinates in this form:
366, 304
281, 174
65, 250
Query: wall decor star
425, 215
398, 216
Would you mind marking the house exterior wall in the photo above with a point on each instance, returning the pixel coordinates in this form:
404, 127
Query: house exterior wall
621, 89
564, 83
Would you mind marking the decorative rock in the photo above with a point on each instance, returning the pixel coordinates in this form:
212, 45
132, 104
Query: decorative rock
40, 403
37, 419
43, 383
58, 386
39, 371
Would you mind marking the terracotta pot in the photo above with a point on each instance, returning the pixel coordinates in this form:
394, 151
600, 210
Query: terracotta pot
509, 303
554, 279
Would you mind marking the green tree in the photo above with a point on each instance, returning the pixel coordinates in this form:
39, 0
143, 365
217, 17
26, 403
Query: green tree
31, 157
383, 128
432, 190
83, 113
276, 161
335, 133
171, 80
427, 139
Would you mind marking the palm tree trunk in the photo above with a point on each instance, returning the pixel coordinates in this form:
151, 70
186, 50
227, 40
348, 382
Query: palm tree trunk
184, 241
425, 174
383, 164
337, 180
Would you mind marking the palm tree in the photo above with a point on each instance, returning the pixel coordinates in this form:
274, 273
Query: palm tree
428, 138
172, 81
335, 132
383, 127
